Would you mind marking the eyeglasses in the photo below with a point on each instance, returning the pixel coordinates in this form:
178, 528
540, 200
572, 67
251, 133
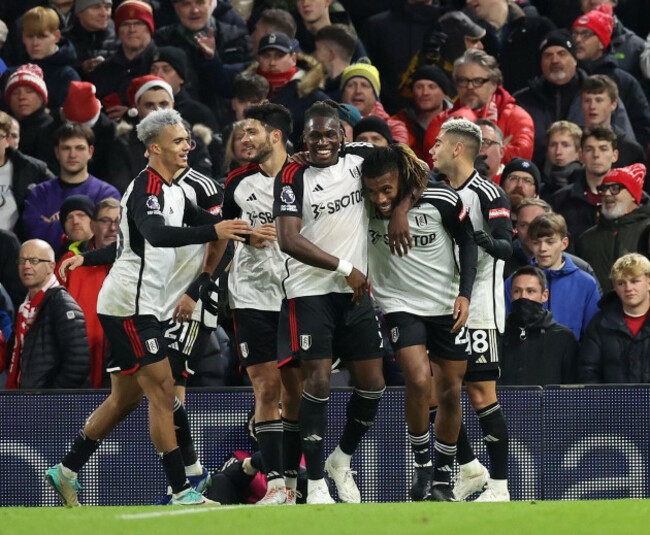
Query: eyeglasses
615, 188
476, 82
582, 34
107, 222
490, 143
32, 261
525, 179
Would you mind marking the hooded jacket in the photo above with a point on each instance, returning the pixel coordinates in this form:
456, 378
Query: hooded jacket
537, 350
605, 242
300, 92
572, 296
513, 120
609, 353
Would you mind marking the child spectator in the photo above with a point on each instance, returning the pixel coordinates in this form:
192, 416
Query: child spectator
562, 157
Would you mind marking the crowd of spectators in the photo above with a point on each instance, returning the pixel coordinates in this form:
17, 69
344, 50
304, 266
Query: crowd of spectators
559, 88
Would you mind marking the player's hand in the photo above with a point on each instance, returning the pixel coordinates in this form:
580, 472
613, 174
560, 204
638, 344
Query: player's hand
299, 157
70, 264
229, 229
262, 235
461, 313
184, 309
207, 43
399, 233
483, 239
358, 282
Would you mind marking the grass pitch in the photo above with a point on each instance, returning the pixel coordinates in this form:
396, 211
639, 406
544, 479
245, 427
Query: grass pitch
525, 518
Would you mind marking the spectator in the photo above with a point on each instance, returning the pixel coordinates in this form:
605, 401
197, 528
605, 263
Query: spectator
335, 45
7, 314
314, 17
18, 174
14, 136
361, 87
555, 95
573, 294
170, 64
52, 53
579, 202
625, 214
235, 156
92, 34
83, 107
616, 345
521, 180
392, 38
537, 350
627, 46
430, 86
135, 27
599, 95
562, 157
512, 38
448, 39
84, 283
9, 247
349, 117
50, 349
478, 81
294, 78
26, 96
146, 94
274, 20
75, 216
592, 34
249, 89
74, 149
373, 130
230, 43
492, 148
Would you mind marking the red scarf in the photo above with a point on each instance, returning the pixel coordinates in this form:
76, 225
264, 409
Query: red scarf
25, 319
278, 79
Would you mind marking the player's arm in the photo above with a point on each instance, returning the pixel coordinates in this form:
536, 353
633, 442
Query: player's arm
497, 215
226, 230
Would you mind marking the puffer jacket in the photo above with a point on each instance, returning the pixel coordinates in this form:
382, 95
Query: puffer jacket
609, 353
55, 350
514, 121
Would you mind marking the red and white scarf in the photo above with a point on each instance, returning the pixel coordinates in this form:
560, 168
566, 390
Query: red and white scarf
24, 320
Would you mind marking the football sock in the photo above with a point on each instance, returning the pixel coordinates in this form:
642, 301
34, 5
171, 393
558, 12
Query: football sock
81, 450
361, 412
465, 452
172, 462
444, 454
420, 447
183, 436
269, 437
313, 424
495, 435
291, 449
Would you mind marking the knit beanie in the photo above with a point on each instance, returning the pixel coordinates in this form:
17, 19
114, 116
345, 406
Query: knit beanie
29, 75
561, 38
632, 177
434, 74
136, 10
372, 123
600, 21
363, 70
524, 166
76, 202
80, 5
349, 114
175, 56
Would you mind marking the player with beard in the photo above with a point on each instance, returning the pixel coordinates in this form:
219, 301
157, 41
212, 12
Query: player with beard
131, 304
255, 293
322, 225
425, 298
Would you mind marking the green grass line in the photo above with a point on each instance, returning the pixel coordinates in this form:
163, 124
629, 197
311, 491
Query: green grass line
521, 518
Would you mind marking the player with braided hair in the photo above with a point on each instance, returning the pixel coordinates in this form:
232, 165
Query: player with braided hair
425, 298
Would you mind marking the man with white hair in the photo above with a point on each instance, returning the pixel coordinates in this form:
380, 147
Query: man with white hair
132, 302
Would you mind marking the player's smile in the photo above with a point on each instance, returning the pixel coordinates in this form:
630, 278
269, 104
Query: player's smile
323, 136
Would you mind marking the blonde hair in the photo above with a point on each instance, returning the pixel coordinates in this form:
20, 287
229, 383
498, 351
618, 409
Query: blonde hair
630, 265
230, 156
574, 131
5, 122
40, 20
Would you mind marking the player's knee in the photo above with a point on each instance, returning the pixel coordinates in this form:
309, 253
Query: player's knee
450, 395
480, 397
419, 387
268, 392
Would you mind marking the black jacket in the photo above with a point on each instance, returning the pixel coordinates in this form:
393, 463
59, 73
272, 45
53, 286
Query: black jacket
9, 247
90, 45
536, 349
37, 137
55, 350
193, 111
609, 354
28, 172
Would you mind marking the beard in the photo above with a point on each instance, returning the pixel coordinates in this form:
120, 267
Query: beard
619, 210
263, 152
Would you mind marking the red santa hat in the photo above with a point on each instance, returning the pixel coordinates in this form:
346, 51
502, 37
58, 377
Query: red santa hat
632, 177
29, 75
600, 21
140, 85
81, 105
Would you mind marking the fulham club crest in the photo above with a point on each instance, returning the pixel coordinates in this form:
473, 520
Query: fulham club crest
152, 345
305, 341
243, 349
394, 334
